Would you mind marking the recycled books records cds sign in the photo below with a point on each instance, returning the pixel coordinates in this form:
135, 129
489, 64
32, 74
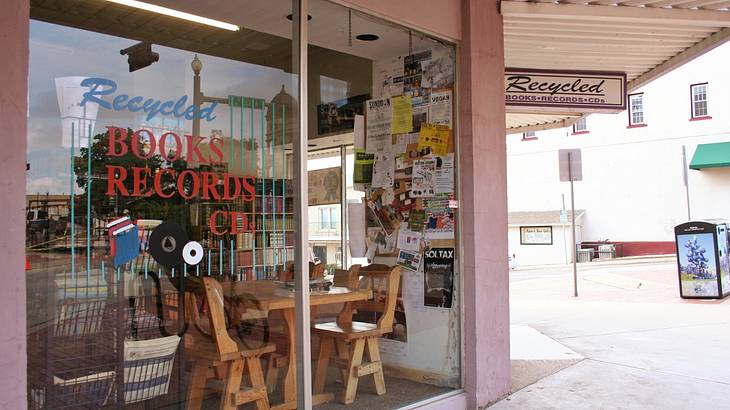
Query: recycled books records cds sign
555, 90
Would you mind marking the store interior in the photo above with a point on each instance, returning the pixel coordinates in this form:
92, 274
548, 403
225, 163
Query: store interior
382, 192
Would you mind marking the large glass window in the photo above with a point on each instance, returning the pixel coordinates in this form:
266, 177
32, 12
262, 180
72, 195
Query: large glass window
160, 204
389, 101
161, 207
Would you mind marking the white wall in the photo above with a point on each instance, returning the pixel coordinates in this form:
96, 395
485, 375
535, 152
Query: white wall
632, 188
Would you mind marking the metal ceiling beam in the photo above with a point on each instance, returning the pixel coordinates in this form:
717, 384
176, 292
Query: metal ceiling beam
682, 58
640, 15
563, 123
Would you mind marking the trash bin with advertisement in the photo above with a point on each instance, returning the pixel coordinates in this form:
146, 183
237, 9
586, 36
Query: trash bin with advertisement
702, 259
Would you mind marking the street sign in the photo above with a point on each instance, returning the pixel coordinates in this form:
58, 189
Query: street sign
563, 217
570, 165
570, 171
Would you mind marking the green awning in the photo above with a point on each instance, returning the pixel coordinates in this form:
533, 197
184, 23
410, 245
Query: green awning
711, 156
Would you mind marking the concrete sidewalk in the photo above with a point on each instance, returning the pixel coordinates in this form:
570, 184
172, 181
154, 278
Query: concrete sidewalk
644, 347
598, 262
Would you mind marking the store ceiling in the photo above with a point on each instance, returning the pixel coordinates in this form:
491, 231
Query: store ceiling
264, 38
644, 38
328, 28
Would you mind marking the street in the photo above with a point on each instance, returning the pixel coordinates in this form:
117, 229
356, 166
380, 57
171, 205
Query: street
642, 346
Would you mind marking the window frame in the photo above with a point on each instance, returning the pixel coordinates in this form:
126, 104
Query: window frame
581, 131
693, 116
529, 136
630, 111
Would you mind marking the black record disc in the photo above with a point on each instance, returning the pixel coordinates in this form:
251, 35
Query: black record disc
166, 244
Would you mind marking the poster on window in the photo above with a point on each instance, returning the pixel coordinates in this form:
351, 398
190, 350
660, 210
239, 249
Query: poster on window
536, 235
440, 219
413, 77
438, 71
339, 116
324, 186
440, 108
388, 77
409, 260
422, 183
438, 272
378, 129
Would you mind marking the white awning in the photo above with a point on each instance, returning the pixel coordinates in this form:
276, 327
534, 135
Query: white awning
644, 38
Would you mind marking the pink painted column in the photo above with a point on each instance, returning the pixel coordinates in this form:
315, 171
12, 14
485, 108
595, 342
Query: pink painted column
482, 166
13, 109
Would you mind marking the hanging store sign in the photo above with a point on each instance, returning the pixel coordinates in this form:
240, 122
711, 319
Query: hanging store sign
571, 91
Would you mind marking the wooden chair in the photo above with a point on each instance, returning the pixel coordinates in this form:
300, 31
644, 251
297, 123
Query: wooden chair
225, 358
316, 271
350, 338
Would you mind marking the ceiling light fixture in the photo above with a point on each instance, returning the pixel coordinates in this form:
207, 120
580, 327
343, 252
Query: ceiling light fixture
176, 13
367, 37
291, 17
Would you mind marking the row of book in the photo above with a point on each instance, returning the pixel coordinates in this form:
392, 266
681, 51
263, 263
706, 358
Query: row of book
274, 222
245, 241
275, 204
267, 187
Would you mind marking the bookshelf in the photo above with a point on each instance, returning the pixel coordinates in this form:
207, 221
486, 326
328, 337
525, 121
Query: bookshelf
257, 255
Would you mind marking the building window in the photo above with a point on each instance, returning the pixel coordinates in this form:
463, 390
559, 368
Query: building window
327, 218
528, 136
580, 126
699, 101
636, 110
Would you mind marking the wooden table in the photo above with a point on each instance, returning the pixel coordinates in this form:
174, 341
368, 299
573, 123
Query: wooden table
270, 296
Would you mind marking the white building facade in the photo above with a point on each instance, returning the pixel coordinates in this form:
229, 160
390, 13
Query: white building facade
633, 189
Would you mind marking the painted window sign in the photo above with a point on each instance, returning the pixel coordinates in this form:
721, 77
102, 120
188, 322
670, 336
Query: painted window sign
100, 87
536, 235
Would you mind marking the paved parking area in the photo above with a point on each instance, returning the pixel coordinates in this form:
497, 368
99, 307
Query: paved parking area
643, 346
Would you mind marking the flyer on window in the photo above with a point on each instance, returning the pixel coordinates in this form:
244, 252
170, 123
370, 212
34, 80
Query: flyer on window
422, 182
440, 110
383, 170
434, 139
440, 219
438, 70
363, 169
409, 240
444, 176
409, 260
388, 77
402, 117
438, 272
378, 136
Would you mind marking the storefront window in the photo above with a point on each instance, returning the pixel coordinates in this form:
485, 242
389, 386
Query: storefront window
388, 98
161, 207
